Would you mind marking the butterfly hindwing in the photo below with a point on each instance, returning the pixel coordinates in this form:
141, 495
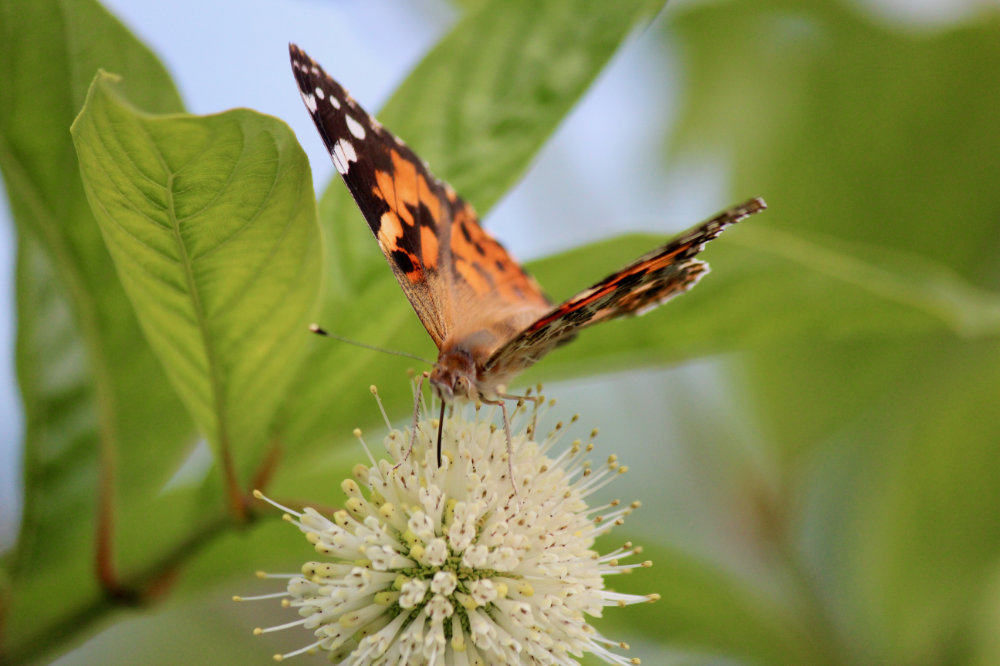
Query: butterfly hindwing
646, 283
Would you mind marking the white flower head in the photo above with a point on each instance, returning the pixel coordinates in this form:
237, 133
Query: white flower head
452, 565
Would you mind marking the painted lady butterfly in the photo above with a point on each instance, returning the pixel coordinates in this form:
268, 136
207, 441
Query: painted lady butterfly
488, 318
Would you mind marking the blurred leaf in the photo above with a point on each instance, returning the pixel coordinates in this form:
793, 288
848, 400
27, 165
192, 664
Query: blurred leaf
61, 463
98, 407
478, 108
875, 149
699, 603
211, 224
878, 137
930, 537
210, 630
987, 618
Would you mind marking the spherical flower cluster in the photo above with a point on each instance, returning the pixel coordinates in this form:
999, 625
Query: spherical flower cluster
462, 564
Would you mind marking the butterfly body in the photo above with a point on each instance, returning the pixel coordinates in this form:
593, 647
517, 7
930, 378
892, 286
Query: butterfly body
488, 318
455, 375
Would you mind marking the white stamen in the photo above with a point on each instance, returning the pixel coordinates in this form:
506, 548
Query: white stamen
511, 577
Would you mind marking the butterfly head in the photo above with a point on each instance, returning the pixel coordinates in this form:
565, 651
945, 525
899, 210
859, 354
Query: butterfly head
454, 376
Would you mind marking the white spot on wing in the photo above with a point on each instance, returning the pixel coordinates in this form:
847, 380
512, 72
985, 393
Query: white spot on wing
343, 154
334, 102
320, 93
355, 127
310, 101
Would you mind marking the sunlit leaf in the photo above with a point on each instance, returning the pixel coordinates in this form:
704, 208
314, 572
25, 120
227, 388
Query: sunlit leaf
211, 223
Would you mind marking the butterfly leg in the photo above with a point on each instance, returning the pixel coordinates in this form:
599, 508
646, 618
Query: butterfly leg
506, 429
537, 400
417, 397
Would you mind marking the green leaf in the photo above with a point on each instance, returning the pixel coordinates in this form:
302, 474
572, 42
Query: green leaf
53, 557
477, 108
211, 224
104, 430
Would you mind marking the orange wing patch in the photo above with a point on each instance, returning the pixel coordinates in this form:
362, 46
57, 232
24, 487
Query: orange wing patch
390, 232
485, 265
404, 190
430, 245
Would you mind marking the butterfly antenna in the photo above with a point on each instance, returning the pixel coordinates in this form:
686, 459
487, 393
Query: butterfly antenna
326, 334
440, 431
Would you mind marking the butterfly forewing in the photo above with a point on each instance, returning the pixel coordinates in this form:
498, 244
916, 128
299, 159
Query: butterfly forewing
461, 282
400, 201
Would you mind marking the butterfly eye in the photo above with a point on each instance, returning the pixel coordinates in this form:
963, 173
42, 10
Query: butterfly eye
463, 387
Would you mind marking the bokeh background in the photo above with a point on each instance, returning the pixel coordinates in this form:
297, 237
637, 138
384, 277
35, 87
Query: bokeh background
818, 451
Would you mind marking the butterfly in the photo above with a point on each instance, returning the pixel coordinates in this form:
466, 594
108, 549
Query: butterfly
487, 316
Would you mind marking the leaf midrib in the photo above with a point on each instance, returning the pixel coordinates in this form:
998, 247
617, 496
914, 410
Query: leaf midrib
218, 395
